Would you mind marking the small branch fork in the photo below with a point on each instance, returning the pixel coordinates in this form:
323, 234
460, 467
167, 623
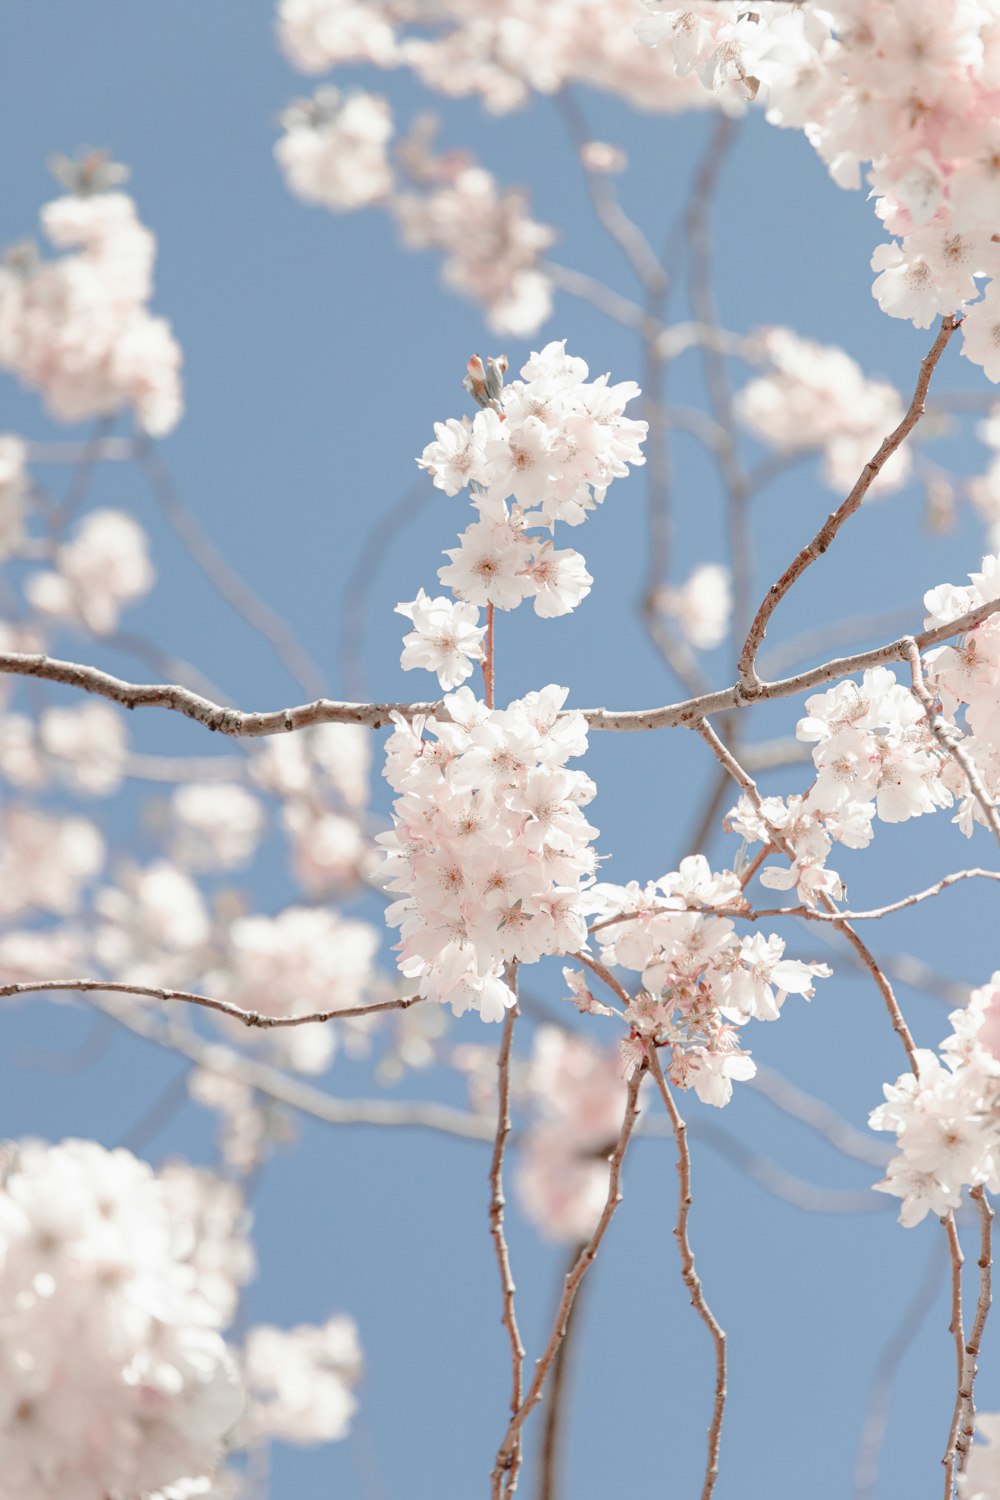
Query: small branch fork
825, 536
506, 1453
690, 1275
963, 1416
242, 725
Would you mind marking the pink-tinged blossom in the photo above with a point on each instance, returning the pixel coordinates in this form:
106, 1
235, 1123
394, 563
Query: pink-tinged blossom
458, 457
304, 960
491, 244
319, 34
446, 638
577, 1094
333, 151
114, 1284
46, 861
491, 563
981, 333
909, 89
301, 1381
945, 1116
700, 980
78, 329
814, 395
560, 578
872, 743
87, 746
214, 827
104, 567
701, 606
490, 852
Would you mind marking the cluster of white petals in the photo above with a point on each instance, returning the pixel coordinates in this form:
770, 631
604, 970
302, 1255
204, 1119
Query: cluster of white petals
946, 1116
103, 567
114, 1284
810, 832
700, 980
214, 827
815, 396
446, 638
701, 606
301, 1381
491, 244
873, 744
333, 151
304, 960
909, 89
490, 852
468, 47
78, 328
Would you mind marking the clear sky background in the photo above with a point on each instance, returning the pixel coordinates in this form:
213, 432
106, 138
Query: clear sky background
317, 356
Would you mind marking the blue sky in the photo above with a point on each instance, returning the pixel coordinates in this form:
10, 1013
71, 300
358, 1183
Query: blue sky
317, 357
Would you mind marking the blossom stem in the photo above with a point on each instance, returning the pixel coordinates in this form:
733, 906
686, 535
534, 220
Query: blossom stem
488, 666
497, 1206
690, 1274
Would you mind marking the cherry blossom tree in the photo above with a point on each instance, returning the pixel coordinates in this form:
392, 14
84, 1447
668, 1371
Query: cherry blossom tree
418, 939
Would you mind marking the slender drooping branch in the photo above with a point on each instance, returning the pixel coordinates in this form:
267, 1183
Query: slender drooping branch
957, 1330
251, 1018
690, 1274
586, 1259
239, 724
745, 781
828, 531
497, 1230
983, 1302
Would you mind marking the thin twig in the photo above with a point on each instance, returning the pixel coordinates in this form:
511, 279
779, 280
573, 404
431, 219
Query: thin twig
690, 1274
983, 1302
572, 1284
957, 1330
555, 1411
222, 575
251, 1018
828, 531
497, 1205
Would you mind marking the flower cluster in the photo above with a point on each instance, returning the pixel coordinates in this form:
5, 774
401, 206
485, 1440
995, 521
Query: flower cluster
78, 328
463, 47
873, 744
700, 980
334, 149
908, 88
116, 1380
946, 1116
102, 568
815, 396
490, 852
547, 454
